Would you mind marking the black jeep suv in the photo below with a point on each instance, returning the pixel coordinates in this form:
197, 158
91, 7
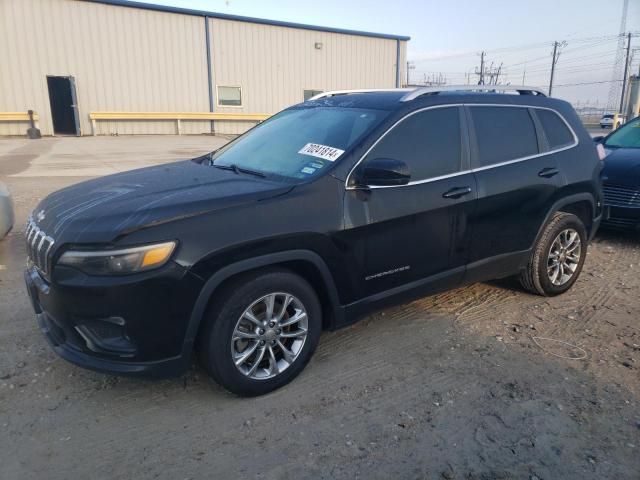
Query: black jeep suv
329, 209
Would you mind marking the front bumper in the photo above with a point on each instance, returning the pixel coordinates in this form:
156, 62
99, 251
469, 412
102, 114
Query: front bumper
112, 326
622, 218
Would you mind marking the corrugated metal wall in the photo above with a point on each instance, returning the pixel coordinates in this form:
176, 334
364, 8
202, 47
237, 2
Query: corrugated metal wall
274, 65
129, 59
123, 59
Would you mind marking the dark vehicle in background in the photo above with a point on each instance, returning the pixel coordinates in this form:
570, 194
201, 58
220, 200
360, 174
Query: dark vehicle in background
621, 176
346, 203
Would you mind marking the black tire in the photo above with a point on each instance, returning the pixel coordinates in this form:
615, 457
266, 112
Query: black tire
534, 278
214, 340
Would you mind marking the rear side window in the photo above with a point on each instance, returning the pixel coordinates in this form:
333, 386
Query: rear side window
503, 134
428, 142
557, 133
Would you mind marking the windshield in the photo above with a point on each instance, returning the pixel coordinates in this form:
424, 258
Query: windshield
299, 143
627, 136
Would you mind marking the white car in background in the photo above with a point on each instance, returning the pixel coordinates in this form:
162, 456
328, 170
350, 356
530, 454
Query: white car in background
6, 210
607, 121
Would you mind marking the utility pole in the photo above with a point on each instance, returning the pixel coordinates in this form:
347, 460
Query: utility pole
626, 72
410, 66
614, 88
495, 75
556, 53
481, 72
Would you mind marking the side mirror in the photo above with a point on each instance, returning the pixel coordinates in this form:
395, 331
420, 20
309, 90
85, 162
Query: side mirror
599, 138
383, 172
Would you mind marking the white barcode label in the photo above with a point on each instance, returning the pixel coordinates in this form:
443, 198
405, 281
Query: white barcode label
321, 151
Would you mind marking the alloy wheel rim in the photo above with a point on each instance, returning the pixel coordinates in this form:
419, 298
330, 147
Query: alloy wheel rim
564, 257
269, 335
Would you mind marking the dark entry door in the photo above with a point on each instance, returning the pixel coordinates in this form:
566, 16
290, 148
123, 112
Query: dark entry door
64, 109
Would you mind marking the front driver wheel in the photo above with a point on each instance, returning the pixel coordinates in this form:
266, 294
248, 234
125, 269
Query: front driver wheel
261, 332
558, 256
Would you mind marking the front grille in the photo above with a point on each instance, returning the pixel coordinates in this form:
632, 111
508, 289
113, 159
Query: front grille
39, 246
618, 196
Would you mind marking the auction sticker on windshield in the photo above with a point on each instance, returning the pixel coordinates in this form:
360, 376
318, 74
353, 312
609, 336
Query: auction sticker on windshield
321, 151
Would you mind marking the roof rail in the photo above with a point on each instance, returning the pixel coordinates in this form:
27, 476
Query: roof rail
333, 93
420, 91
413, 93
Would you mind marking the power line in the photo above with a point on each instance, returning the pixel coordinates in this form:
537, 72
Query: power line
570, 60
522, 47
587, 83
572, 69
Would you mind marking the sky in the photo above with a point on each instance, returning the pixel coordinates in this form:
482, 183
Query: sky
448, 35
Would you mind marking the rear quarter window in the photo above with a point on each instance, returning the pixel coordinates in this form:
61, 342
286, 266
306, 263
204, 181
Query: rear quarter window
555, 129
503, 134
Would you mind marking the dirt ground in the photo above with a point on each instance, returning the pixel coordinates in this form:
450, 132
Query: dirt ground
470, 384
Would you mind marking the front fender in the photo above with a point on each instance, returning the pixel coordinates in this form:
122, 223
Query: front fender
219, 277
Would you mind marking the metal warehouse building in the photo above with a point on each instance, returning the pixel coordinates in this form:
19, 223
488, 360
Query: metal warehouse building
111, 66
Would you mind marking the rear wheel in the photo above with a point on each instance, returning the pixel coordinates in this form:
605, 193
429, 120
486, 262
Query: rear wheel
261, 332
558, 256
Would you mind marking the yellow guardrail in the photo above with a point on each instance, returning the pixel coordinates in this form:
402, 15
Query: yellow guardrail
17, 117
178, 117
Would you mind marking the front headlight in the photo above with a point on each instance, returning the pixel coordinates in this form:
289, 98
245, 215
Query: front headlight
119, 262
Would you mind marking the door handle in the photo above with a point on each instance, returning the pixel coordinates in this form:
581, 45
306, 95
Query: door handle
548, 172
457, 192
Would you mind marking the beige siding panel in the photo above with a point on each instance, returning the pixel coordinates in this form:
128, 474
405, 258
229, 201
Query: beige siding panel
123, 59
274, 65
127, 59
403, 64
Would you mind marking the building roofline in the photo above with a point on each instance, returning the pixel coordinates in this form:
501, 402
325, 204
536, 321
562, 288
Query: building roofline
240, 18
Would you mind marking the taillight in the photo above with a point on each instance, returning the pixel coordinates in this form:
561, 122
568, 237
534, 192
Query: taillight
601, 151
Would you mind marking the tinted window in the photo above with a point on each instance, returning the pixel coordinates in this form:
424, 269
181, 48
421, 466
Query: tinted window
503, 134
428, 142
558, 135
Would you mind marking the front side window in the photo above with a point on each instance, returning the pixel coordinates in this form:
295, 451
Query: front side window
299, 143
557, 133
627, 136
429, 142
503, 134
229, 96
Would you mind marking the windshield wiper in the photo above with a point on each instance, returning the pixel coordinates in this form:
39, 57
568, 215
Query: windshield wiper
234, 168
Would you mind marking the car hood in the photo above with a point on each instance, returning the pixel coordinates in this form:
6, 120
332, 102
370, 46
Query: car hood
100, 210
622, 167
